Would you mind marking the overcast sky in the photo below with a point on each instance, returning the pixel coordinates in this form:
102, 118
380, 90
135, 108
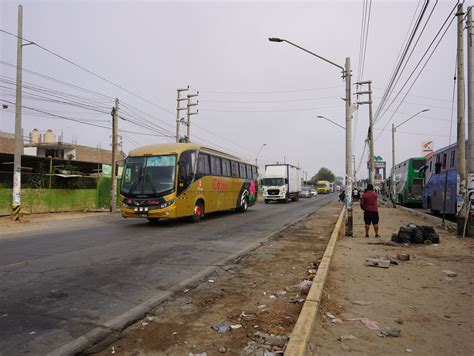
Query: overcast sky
251, 91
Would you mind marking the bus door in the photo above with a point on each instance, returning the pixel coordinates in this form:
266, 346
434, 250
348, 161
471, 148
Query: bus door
186, 175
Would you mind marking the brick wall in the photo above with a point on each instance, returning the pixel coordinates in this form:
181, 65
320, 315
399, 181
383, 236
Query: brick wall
90, 154
7, 142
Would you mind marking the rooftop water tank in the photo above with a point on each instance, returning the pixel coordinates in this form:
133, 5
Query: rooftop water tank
49, 136
35, 136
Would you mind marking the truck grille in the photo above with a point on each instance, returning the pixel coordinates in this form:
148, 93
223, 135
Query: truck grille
273, 192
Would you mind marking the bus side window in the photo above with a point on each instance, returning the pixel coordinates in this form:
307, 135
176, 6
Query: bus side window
243, 174
234, 169
249, 172
438, 168
254, 173
445, 158
225, 167
453, 155
203, 165
216, 166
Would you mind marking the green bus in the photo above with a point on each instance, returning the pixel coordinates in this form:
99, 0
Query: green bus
409, 182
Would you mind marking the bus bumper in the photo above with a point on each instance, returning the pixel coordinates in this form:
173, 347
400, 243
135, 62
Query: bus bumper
165, 213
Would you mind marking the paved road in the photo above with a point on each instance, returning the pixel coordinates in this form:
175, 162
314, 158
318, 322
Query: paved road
64, 281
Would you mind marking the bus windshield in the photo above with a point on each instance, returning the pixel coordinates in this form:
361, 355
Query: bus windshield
322, 185
151, 175
273, 181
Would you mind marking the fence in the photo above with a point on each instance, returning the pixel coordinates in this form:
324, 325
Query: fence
43, 192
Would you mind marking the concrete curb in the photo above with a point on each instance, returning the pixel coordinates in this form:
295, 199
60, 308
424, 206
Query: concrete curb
120, 322
303, 329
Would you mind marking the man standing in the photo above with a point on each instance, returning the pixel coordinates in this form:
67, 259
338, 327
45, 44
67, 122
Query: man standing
368, 203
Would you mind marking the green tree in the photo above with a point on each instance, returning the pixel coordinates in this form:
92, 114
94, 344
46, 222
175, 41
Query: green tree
324, 174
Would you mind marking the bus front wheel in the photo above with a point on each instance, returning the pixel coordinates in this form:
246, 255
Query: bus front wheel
198, 212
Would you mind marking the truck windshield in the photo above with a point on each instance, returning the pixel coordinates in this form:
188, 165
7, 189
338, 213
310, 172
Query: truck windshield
151, 175
322, 185
273, 181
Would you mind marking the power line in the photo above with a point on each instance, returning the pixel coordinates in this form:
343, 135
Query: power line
263, 111
204, 91
421, 70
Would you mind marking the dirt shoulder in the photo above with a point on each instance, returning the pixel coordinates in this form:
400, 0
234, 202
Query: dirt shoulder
434, 311
30, 222
258, 295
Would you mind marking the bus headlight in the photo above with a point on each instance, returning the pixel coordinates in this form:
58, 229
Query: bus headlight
167, 204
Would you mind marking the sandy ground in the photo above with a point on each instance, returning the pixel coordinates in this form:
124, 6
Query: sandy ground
30, 222
433, 311
256, 293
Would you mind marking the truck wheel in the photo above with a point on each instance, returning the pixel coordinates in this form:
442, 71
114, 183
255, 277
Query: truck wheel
286, 199
266, 201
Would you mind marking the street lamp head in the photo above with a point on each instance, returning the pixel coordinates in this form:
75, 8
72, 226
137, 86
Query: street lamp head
320, 117
425, 110
275, 39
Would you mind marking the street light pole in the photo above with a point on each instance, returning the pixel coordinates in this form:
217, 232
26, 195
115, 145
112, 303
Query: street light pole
394, 129
258, 154
346, 71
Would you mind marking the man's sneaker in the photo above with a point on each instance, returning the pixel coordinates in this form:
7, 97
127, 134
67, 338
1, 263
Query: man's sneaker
377, 235
367, 235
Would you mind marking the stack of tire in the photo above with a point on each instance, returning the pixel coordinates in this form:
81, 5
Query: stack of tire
416, 235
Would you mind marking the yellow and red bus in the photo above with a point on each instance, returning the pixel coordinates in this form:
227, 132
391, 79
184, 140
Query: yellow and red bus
176, 180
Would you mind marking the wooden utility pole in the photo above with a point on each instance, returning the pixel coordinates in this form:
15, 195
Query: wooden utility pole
178, 109
113, 185
470, 118
461, 138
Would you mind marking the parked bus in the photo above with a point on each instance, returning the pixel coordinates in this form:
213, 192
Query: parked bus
323, 187
184, 179
409, 182
440, 176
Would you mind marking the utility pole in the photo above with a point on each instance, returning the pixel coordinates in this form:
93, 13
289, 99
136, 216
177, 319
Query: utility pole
354, 166
370, 137
16, 198
113, 185
461, 139
178, 109
347, 77
470, 113
392, 175
189, 114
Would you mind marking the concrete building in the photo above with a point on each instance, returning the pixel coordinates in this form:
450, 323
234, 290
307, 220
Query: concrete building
48, 145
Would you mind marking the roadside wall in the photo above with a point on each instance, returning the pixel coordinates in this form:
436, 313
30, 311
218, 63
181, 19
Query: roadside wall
44, 200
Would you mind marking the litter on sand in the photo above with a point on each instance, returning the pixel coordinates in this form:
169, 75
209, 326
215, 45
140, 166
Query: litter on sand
370, 324
346, 337
222, 328
236, 326
390, 331
332, 317
378, 261
360, 302
450, 273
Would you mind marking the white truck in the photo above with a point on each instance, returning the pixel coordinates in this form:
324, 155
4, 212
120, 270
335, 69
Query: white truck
281, 182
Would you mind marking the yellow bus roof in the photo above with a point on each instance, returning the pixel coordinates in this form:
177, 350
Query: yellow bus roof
178, 148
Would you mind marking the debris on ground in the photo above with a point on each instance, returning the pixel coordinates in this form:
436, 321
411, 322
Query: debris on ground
305, 286
222, 349
378, 261
390, 331
403, 256
450, 273
296, 301
201, 354
272, 340
361, 302
346, 337
370, 324
416, 234
332, 317
222, 328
